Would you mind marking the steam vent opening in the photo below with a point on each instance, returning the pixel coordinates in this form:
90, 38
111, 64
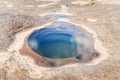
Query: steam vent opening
62, 40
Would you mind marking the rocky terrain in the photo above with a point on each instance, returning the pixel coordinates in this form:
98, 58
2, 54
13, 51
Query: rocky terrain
20, 16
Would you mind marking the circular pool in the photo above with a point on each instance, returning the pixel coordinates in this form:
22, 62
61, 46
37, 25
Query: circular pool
61, 40
60, 43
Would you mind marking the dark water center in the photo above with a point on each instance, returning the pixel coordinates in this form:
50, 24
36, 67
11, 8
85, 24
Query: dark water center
57, 41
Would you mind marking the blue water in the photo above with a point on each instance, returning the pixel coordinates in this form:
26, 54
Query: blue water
59, 40
58, 16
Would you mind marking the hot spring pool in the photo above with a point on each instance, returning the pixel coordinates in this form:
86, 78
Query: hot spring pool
60, 40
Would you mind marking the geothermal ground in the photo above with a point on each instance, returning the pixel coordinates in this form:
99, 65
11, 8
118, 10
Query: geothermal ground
19, 17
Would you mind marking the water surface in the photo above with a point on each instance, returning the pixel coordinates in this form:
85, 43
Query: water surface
60, 40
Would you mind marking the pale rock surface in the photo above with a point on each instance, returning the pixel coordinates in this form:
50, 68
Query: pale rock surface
18, 16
